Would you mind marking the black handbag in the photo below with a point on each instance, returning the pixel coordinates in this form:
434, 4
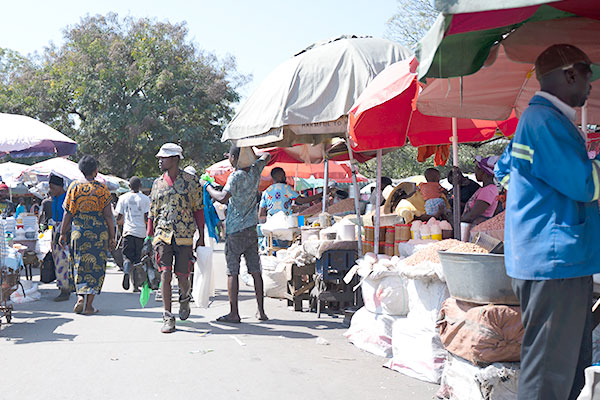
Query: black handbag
47, 270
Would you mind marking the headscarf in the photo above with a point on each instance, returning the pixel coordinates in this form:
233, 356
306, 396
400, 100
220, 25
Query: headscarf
487, 163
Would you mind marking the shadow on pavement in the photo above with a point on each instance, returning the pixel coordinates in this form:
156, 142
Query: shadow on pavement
40, 327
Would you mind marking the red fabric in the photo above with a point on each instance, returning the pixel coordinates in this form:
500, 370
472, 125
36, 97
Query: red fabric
338, 171
484, 20
431, 190
382, 117
441, 152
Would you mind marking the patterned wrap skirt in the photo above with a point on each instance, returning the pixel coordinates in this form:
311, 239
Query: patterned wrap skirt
89, 250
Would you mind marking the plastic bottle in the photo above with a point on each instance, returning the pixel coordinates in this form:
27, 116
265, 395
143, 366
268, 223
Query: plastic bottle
415, 232
436, 232
425, 233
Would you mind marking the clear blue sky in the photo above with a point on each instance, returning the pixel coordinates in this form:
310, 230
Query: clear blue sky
260, 34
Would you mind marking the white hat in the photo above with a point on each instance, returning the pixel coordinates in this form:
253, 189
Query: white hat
170, 150
190, 170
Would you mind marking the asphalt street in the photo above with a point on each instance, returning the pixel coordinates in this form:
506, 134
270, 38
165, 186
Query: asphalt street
48, 352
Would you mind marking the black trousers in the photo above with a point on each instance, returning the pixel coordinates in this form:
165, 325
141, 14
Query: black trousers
557, 345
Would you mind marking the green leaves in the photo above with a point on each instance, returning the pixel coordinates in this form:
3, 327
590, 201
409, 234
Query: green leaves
123, 87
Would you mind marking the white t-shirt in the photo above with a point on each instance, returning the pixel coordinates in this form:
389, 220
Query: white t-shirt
133, 206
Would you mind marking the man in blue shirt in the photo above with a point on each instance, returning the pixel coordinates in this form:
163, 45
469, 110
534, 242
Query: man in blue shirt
241, 196
60, 255
552, 230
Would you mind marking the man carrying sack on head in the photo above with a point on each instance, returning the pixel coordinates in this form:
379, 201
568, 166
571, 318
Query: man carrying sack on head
241, 196
552, 228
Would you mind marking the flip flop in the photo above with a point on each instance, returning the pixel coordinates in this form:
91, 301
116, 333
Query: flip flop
94, 311
78, 309
228, 319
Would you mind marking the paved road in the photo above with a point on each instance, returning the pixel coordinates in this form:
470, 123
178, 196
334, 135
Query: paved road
50, 353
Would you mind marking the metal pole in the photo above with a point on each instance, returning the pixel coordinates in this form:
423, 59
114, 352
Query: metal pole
356, 194
325, 185
455, 183
378, 200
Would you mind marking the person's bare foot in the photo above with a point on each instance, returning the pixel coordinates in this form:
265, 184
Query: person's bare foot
262, 316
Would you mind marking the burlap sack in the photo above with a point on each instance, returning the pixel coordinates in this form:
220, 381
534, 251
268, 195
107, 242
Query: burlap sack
481, 334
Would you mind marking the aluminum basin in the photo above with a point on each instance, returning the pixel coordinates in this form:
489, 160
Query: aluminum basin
477, 278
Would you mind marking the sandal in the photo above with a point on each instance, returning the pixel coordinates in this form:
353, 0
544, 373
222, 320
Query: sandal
78, 309
262, 318
229, 319
94, 311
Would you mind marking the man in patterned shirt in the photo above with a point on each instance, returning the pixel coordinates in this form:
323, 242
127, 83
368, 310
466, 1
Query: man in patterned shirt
175, 214
279, 196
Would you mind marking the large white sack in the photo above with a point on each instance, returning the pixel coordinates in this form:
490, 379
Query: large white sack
203, 276
274, 277
26, 292
425, 299
385, 295
417, 350
463, 380
371, 332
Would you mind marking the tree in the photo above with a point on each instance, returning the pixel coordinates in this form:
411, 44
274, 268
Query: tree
411, 22
123, 87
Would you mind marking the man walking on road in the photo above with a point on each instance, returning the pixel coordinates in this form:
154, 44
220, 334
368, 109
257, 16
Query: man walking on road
175, 214
132, 212
60, 254
553, 228
241, 196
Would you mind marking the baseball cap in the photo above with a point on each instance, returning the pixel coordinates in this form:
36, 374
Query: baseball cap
559, 56
170, 150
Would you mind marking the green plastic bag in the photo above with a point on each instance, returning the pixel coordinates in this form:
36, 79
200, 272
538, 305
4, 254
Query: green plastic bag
145, 294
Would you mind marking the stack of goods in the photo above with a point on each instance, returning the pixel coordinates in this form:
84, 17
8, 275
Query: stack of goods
432, 230
385, 302
369, 239
493, 227
390, 237
277, 271
401, 235
416, 344
342, 207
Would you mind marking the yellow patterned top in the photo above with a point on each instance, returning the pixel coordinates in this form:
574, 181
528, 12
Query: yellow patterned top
85, 196
172, 208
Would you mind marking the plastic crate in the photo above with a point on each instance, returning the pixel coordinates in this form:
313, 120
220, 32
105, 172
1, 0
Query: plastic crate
334, 264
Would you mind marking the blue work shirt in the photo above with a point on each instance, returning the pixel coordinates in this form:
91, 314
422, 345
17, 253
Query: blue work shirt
552, 225
58, 211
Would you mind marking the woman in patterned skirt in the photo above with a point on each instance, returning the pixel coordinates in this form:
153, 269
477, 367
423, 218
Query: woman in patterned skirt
88, 214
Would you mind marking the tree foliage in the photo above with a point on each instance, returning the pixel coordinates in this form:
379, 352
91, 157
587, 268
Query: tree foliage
411, 22
123, 87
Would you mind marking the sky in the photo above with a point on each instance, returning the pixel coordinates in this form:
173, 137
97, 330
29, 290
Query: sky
260, 34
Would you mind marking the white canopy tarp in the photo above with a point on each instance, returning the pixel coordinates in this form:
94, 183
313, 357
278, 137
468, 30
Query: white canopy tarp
307, 98
10, 171
66, 169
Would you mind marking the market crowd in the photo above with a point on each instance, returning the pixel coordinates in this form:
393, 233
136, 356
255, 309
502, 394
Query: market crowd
545, 181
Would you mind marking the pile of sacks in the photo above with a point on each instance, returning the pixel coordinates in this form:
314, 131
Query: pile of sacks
277, 270
385, 301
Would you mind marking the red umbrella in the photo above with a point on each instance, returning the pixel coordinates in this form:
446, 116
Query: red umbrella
384, 115
338, 172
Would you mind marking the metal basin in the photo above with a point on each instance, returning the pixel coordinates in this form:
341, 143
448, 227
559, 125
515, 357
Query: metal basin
477, 278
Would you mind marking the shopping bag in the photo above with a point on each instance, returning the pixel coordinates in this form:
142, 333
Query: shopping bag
202, 276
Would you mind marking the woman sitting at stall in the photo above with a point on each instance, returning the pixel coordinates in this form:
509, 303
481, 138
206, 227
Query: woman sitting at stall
482, 205
88, 215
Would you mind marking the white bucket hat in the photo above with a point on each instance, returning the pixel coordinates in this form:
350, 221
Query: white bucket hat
190, 170
170, 150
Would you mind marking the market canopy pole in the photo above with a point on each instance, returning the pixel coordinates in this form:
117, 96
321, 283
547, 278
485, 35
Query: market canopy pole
378, 200
356, 194
325, 182
455, 183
